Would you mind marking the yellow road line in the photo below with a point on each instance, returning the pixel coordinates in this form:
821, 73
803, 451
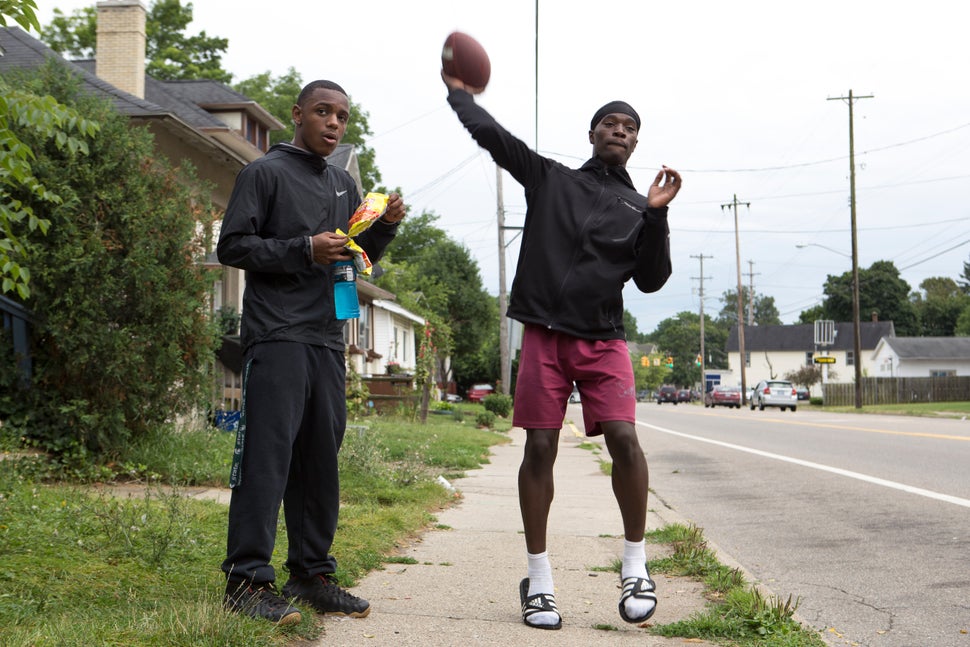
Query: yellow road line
575, 431
871, 430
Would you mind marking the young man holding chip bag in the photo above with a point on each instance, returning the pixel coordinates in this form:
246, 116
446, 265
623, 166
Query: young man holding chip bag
285, 225
587, 232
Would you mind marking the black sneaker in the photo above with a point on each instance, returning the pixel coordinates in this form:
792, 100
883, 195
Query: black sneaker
259, 601
322, 593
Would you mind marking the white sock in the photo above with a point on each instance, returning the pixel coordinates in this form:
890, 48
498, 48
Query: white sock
540, 581
635, 565
634, 559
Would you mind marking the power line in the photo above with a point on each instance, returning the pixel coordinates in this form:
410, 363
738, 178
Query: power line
797, 164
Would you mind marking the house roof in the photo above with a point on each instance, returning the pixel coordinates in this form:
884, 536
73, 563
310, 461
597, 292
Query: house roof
801, 337
916, 348
20, 50
641, 349
189, 107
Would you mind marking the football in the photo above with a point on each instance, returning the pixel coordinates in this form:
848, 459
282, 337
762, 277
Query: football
464, 58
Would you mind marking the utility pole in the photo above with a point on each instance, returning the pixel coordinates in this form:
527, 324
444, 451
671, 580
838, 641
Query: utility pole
857, 335
751, 275
505, 361
700, 293
737, 249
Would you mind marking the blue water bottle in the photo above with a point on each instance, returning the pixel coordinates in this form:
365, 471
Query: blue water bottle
345, 290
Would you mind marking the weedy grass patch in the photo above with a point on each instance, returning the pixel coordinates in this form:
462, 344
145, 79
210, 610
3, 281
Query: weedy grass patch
84, 567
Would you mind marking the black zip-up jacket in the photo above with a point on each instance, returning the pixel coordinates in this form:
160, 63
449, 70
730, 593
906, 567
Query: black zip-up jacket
278, 202
587, 232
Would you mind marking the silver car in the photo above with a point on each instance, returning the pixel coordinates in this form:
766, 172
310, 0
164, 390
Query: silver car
774, 393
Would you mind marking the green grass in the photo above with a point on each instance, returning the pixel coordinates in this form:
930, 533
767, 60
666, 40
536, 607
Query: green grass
926, 409
83, 568
738, 614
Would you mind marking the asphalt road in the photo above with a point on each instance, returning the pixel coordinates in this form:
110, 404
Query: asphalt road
865, 518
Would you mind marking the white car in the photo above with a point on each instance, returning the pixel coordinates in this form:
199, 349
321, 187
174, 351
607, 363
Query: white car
774, 393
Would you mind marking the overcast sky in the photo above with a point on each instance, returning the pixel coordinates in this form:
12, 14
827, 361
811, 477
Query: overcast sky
734, 95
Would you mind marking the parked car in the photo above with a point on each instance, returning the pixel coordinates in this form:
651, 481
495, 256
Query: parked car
803, 393
684, 395
667, 394
723, 395
774, 393
644, 394
477, 392
452, 397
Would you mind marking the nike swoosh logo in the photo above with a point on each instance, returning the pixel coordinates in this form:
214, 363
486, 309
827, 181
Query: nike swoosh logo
340, 193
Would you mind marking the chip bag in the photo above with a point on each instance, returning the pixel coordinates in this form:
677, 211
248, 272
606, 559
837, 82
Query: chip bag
372, 208
361, 262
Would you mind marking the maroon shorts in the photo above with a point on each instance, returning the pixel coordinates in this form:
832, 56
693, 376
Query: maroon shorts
549, 364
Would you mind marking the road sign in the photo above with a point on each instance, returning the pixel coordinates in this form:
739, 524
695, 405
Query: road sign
824, 359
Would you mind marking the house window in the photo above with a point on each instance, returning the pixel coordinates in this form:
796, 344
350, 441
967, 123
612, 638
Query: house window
400, 344
808, 358
363, 327
850, 358
251, 131
395, 346
942, 373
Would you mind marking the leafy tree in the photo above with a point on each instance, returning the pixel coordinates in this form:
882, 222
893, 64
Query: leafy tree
939, 306
812, 315
630, 327
121, 338
23, 12
443, 280
881, 291
651, 376
962, 328
279, 94
807, 376
23, 111
964, 280
170, 54
765, 311
679, 337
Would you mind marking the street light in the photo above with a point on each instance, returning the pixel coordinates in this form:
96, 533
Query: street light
856, 333
804, 245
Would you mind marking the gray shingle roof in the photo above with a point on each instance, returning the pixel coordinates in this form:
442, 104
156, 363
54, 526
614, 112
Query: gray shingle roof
20, 50
801, 337
955, 348
184, 99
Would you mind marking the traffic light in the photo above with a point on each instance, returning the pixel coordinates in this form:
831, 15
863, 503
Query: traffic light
644, 360
670, 362
697, 360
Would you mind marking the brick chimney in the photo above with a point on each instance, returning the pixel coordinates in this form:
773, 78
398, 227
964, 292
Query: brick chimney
121, 45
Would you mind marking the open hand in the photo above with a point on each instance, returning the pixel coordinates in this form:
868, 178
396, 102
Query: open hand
664, 188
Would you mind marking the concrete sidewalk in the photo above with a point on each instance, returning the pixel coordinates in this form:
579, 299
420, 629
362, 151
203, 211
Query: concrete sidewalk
463, 588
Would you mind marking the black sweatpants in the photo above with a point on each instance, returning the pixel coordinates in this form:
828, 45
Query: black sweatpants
293, 421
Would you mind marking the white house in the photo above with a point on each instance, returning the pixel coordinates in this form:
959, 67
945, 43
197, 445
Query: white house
921, 357
772, 351
384, 333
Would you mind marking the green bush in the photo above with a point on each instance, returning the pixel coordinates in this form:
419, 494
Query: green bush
122, 340
498, 403
485, 419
